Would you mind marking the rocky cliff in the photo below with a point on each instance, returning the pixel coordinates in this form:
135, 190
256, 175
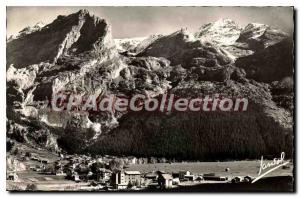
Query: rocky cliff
77, 54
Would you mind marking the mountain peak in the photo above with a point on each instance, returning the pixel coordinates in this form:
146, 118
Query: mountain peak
225, 21
255, 33
66, 35
27, 30
220, 23
256, 29
39, 24
223, 31
83, 11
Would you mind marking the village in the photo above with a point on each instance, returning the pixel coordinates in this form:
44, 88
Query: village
111, 173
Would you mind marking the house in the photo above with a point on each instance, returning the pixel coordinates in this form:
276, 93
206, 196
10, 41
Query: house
33, 158
165, 181
33, 168
38, 169
247, 179
183, 173
99, 160
190, 177
152, 176
150, 179
121, 179
118, 180
153, 186
223, 178
175, 181
132, 160
237, 179
90, 175
213, 177
103, 175
44, 161
133, 177
199, 178
142, 161
209, 175
76, 178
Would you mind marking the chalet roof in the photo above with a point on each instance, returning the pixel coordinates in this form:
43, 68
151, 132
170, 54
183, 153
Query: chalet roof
161, 172
132, 172
151, 174
184, 171
166, 176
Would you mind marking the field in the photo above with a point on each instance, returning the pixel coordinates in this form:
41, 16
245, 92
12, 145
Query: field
236, 168
44, 182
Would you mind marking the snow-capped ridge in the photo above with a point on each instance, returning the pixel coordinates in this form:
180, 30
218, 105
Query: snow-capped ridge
220, 32
126, 44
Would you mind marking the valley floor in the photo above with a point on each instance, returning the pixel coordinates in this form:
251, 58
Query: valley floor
236, 168
279, 180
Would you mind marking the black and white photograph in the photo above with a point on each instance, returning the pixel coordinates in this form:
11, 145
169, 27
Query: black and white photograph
150, 99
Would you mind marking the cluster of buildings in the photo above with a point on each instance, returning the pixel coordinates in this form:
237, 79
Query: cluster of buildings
99, 172
123, 179
103, 173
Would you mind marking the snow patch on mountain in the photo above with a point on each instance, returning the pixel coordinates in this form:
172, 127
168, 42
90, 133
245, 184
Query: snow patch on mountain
126, 44
264, 35
221, 32
254, 30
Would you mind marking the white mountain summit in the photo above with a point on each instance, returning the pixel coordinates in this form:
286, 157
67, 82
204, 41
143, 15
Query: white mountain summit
221, 32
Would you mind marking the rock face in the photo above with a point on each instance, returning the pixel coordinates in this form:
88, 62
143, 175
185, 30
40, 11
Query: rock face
62, 56
67, 35
77, 54
271, 64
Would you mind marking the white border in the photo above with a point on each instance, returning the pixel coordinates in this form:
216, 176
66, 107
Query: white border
150, 3
5, 3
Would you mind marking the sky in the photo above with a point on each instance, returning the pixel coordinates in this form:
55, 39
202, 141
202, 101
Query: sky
129, 22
